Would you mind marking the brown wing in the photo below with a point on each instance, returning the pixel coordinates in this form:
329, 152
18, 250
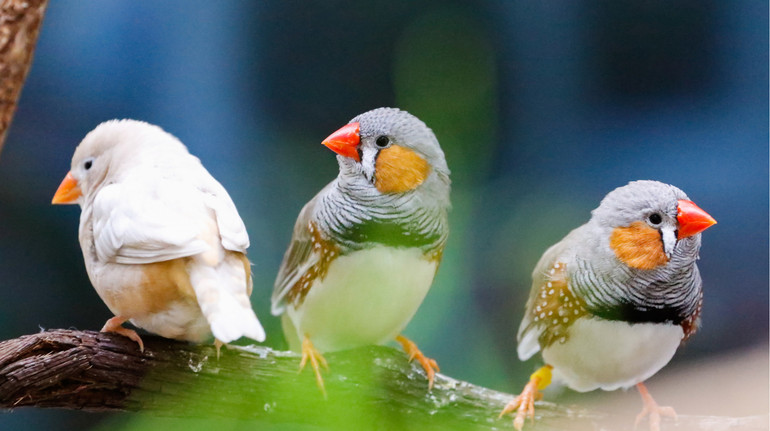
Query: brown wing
552, 306
297, 260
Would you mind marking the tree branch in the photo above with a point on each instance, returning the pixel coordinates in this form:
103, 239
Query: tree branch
98, 371
20, 22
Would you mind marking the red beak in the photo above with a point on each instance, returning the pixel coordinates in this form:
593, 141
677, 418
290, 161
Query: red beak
345, 141
692, 219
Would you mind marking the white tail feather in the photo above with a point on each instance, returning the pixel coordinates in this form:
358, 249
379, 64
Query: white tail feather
221, 293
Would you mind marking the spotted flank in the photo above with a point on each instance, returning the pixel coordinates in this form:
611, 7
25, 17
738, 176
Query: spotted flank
692, 322
555, 307
435, 255
327, 251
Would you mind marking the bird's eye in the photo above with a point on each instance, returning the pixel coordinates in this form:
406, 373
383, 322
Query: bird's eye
88, 164
382, 141
655, 218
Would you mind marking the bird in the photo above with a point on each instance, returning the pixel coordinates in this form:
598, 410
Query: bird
614, 299
163, 243
365, 250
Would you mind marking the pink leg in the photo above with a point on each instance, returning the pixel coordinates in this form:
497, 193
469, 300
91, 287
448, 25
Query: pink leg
652, 409
114, 325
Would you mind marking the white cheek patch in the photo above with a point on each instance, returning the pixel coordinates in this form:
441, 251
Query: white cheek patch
368, 156
669, 240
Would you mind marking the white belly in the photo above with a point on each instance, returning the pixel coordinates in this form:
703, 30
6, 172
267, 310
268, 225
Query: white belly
179, 320
610, 354
367, 297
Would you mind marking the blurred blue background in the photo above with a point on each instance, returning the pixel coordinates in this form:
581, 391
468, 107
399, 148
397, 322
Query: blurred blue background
541, 107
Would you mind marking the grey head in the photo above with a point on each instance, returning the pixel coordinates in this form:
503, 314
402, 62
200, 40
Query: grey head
643, 203
636, 257
393, 185
389, 151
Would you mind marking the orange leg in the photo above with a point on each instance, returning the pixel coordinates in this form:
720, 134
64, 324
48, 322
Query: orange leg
114, 325
310, 352
429, 365
652, 409
525, 402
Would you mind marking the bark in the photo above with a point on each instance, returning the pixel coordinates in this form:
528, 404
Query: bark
20, 22
375, 385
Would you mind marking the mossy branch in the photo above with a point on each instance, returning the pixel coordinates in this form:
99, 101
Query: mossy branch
373, 387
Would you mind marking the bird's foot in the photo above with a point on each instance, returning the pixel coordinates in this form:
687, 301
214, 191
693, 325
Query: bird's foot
429, 365
525, 402
310, 353
218, 345
652, 409
114, 325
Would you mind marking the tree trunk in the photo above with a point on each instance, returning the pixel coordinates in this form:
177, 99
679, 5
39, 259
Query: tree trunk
19, 27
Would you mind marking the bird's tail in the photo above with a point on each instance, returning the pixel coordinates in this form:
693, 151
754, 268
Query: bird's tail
223, 295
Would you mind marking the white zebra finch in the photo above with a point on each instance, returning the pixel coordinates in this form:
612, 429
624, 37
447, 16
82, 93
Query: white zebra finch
162, 241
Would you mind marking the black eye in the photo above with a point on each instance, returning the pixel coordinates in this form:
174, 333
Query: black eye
655, 218
383, 141
88, 164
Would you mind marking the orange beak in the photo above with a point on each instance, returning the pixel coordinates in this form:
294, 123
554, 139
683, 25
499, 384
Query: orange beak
68, 191
692, 219
345, 141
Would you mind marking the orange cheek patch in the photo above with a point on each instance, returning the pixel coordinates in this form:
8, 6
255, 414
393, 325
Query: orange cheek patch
399, 169
638, 246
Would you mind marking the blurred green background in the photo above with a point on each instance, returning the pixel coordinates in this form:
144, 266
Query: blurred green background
541, 108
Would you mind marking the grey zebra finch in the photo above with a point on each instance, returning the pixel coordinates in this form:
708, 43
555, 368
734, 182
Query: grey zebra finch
366, 248
612, 301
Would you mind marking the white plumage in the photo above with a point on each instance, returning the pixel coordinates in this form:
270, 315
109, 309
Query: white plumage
609, 355
163, 243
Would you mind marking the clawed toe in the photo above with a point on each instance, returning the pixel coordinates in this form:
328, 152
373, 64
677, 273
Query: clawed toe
317, 361
428, 364
114, 325
652, 410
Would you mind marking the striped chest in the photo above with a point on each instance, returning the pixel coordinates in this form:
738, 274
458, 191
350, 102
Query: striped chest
327, 251
560, 301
